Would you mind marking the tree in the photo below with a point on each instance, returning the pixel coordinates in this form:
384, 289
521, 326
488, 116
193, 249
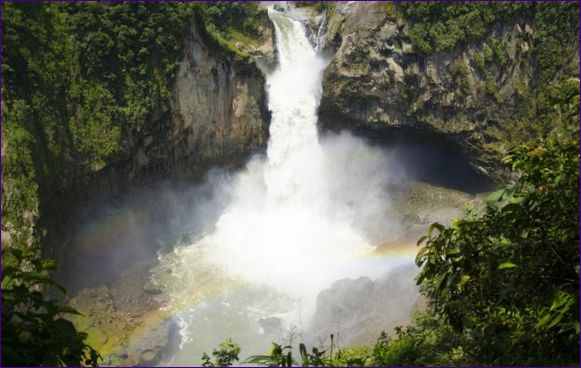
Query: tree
509, 279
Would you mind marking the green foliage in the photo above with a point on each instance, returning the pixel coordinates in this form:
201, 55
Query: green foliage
427, 341
79, 80
224, 356
442, 26
460, 70
557, 32
557, 24
19, 186
90, 72
508, 280
479, 61
34, 331
500, 52
352, 357
126, 55
230, 24
490, 86
279, 356
227, 16
393, 10
92, 128
488, 53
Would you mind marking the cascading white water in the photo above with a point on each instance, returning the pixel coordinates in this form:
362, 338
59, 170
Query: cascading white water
294, 91
292, 222
298, 219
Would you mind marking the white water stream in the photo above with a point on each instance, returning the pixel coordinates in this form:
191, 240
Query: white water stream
304, 216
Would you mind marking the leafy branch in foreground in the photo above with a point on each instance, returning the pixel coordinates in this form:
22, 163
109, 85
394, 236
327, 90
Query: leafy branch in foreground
34, 331
508, 280
283, 357
279, 356
224, 356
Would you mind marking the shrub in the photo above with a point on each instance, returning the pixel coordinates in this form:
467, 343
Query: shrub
34, 331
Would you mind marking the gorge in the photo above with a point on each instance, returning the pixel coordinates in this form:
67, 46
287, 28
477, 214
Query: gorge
273, 180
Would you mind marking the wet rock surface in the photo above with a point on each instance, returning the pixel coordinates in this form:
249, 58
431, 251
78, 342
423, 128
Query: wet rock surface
356, 311
421, 204
124, 321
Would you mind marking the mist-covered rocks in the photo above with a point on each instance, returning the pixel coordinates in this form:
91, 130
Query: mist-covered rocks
355, 311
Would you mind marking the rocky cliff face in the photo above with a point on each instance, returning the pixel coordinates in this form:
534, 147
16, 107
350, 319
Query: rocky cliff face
377, 82
217, 114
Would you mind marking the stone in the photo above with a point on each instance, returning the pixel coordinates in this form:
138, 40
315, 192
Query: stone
147, 357
152, 289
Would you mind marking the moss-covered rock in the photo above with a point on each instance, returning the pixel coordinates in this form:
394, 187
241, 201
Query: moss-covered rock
483, 90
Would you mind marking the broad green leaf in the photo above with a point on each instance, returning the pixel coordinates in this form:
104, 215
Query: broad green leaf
506, 265
435, 226
451, 251
555, 320
496, 196
421, 240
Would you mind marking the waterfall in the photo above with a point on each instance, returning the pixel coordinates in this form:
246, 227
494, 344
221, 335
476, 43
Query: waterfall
294, 91
321, 32
291, 222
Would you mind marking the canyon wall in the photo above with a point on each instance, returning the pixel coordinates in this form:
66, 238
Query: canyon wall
216, 115
475, 95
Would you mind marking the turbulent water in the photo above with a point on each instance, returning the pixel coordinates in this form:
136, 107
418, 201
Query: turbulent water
304, 215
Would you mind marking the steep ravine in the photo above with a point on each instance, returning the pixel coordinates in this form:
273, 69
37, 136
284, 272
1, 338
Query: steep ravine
136, 233
215, 116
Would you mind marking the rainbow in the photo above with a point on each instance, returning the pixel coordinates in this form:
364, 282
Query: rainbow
215, 288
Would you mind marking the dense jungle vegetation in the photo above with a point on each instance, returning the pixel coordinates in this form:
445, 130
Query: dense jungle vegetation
442, 27
79, 79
